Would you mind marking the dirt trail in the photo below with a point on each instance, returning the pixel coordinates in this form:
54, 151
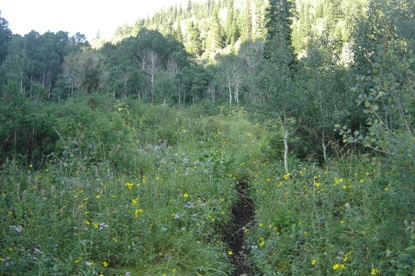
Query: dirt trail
243, 215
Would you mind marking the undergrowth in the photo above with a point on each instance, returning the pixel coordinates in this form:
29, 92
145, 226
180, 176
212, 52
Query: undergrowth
134, 189
351, 218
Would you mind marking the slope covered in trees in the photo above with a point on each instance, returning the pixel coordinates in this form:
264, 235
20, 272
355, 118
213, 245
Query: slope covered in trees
139, 144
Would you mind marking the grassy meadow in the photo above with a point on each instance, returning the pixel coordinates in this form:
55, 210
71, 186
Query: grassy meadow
133, 189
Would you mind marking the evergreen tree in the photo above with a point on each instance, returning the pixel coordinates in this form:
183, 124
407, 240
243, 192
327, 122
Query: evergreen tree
278, 43
280, 61
195, 45
258, 24
5, 36
230, 20
216, 32
178, 35
246, 22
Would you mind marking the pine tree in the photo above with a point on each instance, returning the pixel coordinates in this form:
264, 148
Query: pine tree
278, 43
216, 32
246, 22
178, 35
280, 62
258, 28
195, 45
5, 37
230, 20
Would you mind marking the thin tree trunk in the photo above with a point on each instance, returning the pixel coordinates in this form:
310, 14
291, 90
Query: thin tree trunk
323, 144
230, 94
286, 134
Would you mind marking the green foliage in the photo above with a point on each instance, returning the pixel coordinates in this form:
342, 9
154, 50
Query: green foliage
26, 127
390, 105
195, 45
95, 180
217, 35
387, 93
326, 99
5, 36
343, 220
155, 195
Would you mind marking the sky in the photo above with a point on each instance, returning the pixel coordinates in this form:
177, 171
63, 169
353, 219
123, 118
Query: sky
84, 16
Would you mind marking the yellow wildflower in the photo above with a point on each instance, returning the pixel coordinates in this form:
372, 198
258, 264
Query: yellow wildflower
313, 262
105, 264
338, 266
185, 195
230, 252
374, 271
134, 201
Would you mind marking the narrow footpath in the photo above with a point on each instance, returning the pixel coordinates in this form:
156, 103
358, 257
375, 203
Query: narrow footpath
243, 215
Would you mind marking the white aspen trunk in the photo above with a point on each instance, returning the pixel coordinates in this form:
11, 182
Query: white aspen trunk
230, 94
236, 93
323, 144
152, 69
126, 78
286, 134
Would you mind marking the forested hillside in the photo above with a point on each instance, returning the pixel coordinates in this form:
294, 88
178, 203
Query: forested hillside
153, 143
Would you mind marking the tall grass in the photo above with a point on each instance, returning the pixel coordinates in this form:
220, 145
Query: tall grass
136, 189
350, 219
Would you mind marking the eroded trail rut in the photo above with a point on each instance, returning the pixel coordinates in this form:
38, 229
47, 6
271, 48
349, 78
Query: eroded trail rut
243, 215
